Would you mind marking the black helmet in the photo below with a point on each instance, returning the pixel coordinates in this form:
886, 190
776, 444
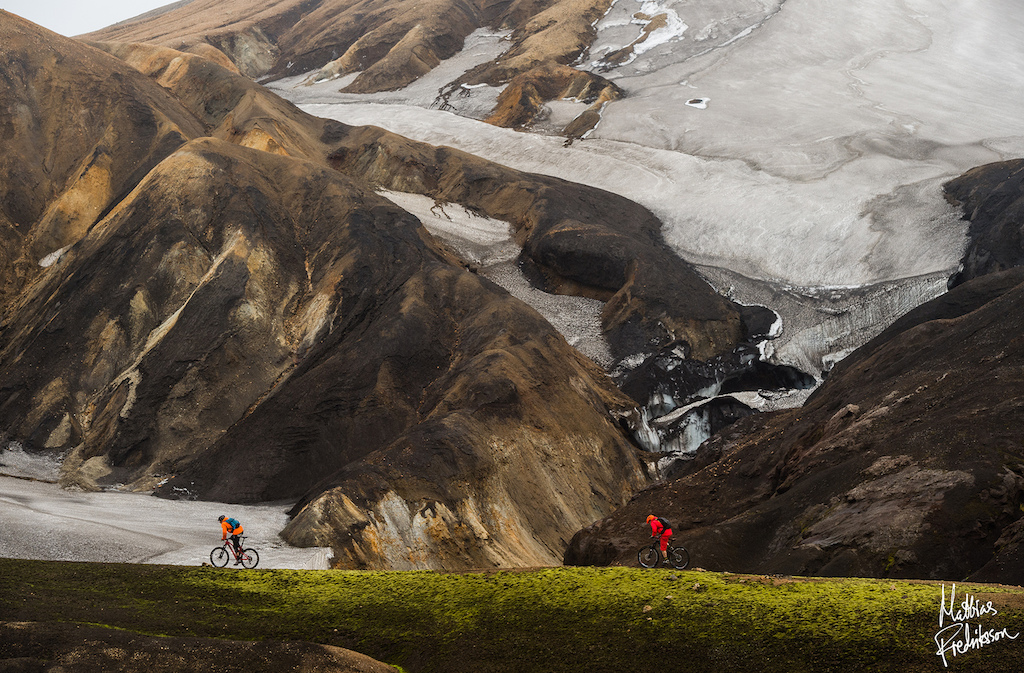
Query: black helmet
221, 517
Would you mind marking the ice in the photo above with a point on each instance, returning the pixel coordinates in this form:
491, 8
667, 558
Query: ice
40, 520
667, 27
820, 162
816, 171
487, 244
817, 326
476, 238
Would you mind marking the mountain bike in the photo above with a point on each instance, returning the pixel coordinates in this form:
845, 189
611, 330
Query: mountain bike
248, 558
650, 556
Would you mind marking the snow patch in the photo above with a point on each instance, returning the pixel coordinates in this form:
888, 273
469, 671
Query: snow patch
53, 257
16, 462
673, 28
487, 244
477, 238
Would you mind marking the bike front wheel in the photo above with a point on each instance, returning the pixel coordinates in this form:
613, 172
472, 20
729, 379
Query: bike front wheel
648, 557
679, 558
250, 558
219, 557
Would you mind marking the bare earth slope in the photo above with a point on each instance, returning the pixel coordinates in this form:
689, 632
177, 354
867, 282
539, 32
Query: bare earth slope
905, 463
35, 646
71, 150
992, 197
389, 46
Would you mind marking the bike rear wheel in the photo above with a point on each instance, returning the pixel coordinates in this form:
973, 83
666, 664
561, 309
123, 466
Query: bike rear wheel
648, 557
250, 558
219, 557
679, 558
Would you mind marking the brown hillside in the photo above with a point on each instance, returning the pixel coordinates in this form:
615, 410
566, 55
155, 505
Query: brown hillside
389, 44
251, 324
907, 462
80, 130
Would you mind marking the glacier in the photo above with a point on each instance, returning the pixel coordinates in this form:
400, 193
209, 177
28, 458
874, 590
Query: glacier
794, 150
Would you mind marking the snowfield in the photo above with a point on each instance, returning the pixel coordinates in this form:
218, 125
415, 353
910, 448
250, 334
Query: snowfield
40, 520
820, 161
790, 147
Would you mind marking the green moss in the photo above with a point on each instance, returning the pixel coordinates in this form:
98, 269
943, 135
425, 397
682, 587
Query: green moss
565, 619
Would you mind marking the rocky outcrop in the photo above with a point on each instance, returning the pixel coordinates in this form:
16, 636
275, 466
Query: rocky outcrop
525, 95
52, 646
907, 462
992, 199
392, 45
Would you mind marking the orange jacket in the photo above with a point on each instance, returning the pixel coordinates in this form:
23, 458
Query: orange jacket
228, 529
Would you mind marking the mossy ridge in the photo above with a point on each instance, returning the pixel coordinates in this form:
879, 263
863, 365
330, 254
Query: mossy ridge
568, 619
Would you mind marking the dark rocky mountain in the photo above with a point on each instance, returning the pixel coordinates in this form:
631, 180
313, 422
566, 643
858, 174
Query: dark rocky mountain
992, 197
907, 462
52, 646
203, 294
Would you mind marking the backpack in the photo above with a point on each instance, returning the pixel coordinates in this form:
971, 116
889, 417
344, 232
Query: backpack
233, 523
665, 523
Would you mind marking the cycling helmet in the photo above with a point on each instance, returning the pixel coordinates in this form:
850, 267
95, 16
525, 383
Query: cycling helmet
650, 518
221, 517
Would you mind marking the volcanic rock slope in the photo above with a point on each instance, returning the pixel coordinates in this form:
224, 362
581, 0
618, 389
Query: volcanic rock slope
907, 462
388, 46
203, 294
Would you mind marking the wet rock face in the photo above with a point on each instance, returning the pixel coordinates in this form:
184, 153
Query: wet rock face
668, 380
683, 402
906, 462
992, 198
248, 323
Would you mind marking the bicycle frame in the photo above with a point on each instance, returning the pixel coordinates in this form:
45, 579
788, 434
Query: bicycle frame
649, 555
247, 558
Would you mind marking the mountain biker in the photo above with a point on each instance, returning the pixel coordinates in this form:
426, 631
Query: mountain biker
660, 527
230, 526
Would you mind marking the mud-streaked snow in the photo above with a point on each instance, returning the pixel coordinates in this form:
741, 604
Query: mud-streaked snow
39, 520
820, 162
801, 144
487, 244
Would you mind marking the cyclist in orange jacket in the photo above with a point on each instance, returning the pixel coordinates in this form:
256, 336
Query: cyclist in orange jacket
230, 526
660, 527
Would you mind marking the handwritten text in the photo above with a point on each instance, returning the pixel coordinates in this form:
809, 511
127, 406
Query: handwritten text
959, 636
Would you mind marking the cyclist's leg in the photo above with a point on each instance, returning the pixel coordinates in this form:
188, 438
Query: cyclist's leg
666, 534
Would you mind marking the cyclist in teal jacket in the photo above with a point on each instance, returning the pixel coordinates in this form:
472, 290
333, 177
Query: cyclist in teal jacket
230, 526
